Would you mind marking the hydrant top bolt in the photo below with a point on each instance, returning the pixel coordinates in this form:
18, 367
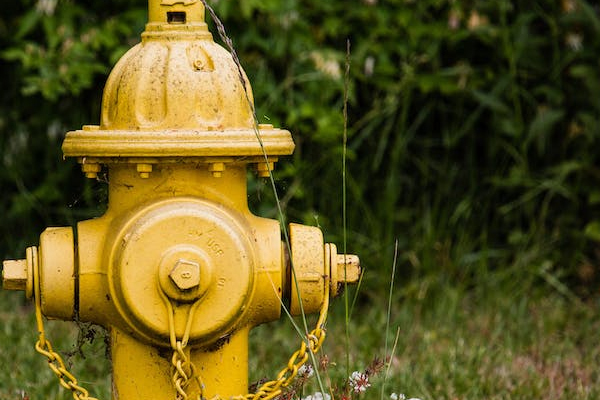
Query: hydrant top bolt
217, 169
185, 274
264, 170
144, 170
91, 170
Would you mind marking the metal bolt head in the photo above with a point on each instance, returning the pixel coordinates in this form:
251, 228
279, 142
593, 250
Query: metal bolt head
348, 268
343, 268
217, 169
14, 275
185, 274
91, 170
144, 170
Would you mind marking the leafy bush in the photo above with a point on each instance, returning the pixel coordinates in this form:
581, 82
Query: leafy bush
471, 129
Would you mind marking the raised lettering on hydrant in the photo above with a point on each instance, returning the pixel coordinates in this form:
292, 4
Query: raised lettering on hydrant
178, 269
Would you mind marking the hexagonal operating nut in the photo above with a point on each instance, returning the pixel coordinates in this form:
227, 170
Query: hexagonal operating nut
14, 275
185, 274
343, 269
348, 268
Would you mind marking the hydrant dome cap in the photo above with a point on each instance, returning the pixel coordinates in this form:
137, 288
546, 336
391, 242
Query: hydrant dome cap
176, 84
177, 93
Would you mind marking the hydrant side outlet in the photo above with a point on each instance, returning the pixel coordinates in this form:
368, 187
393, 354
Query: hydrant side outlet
57, 272
307, 269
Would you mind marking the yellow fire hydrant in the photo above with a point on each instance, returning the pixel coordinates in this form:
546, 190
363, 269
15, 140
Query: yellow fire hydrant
178, 269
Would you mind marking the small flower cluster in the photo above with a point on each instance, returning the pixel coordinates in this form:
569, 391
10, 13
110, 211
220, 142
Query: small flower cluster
359, 382
401, 396
306, 371
317, 396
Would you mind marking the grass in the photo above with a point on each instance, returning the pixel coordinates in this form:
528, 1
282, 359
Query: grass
463, 347
25, 372
459, 346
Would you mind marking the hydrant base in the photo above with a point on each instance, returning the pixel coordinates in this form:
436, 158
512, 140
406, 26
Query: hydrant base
143, 372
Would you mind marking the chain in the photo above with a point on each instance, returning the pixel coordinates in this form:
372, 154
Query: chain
184, 371
44, 347
314, 341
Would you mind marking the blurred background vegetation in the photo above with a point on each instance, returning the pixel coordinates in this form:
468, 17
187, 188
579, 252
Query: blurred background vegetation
473, 141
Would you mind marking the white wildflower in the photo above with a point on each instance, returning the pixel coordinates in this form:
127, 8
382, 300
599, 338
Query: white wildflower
46, 7
369, 65
401, 396
574, 41
359, 382
327, 65
306, 371
317, 396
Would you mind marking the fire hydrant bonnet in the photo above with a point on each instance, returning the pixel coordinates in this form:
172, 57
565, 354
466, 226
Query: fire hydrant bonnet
177, 94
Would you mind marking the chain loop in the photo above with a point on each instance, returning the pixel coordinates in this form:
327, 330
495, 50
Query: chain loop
312, 343
184, 370
44, 347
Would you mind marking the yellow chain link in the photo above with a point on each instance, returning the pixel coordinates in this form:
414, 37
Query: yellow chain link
315, 338
184, 373
44, 347
184, 369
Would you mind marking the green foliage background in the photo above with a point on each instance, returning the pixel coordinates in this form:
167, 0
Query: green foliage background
473, 128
